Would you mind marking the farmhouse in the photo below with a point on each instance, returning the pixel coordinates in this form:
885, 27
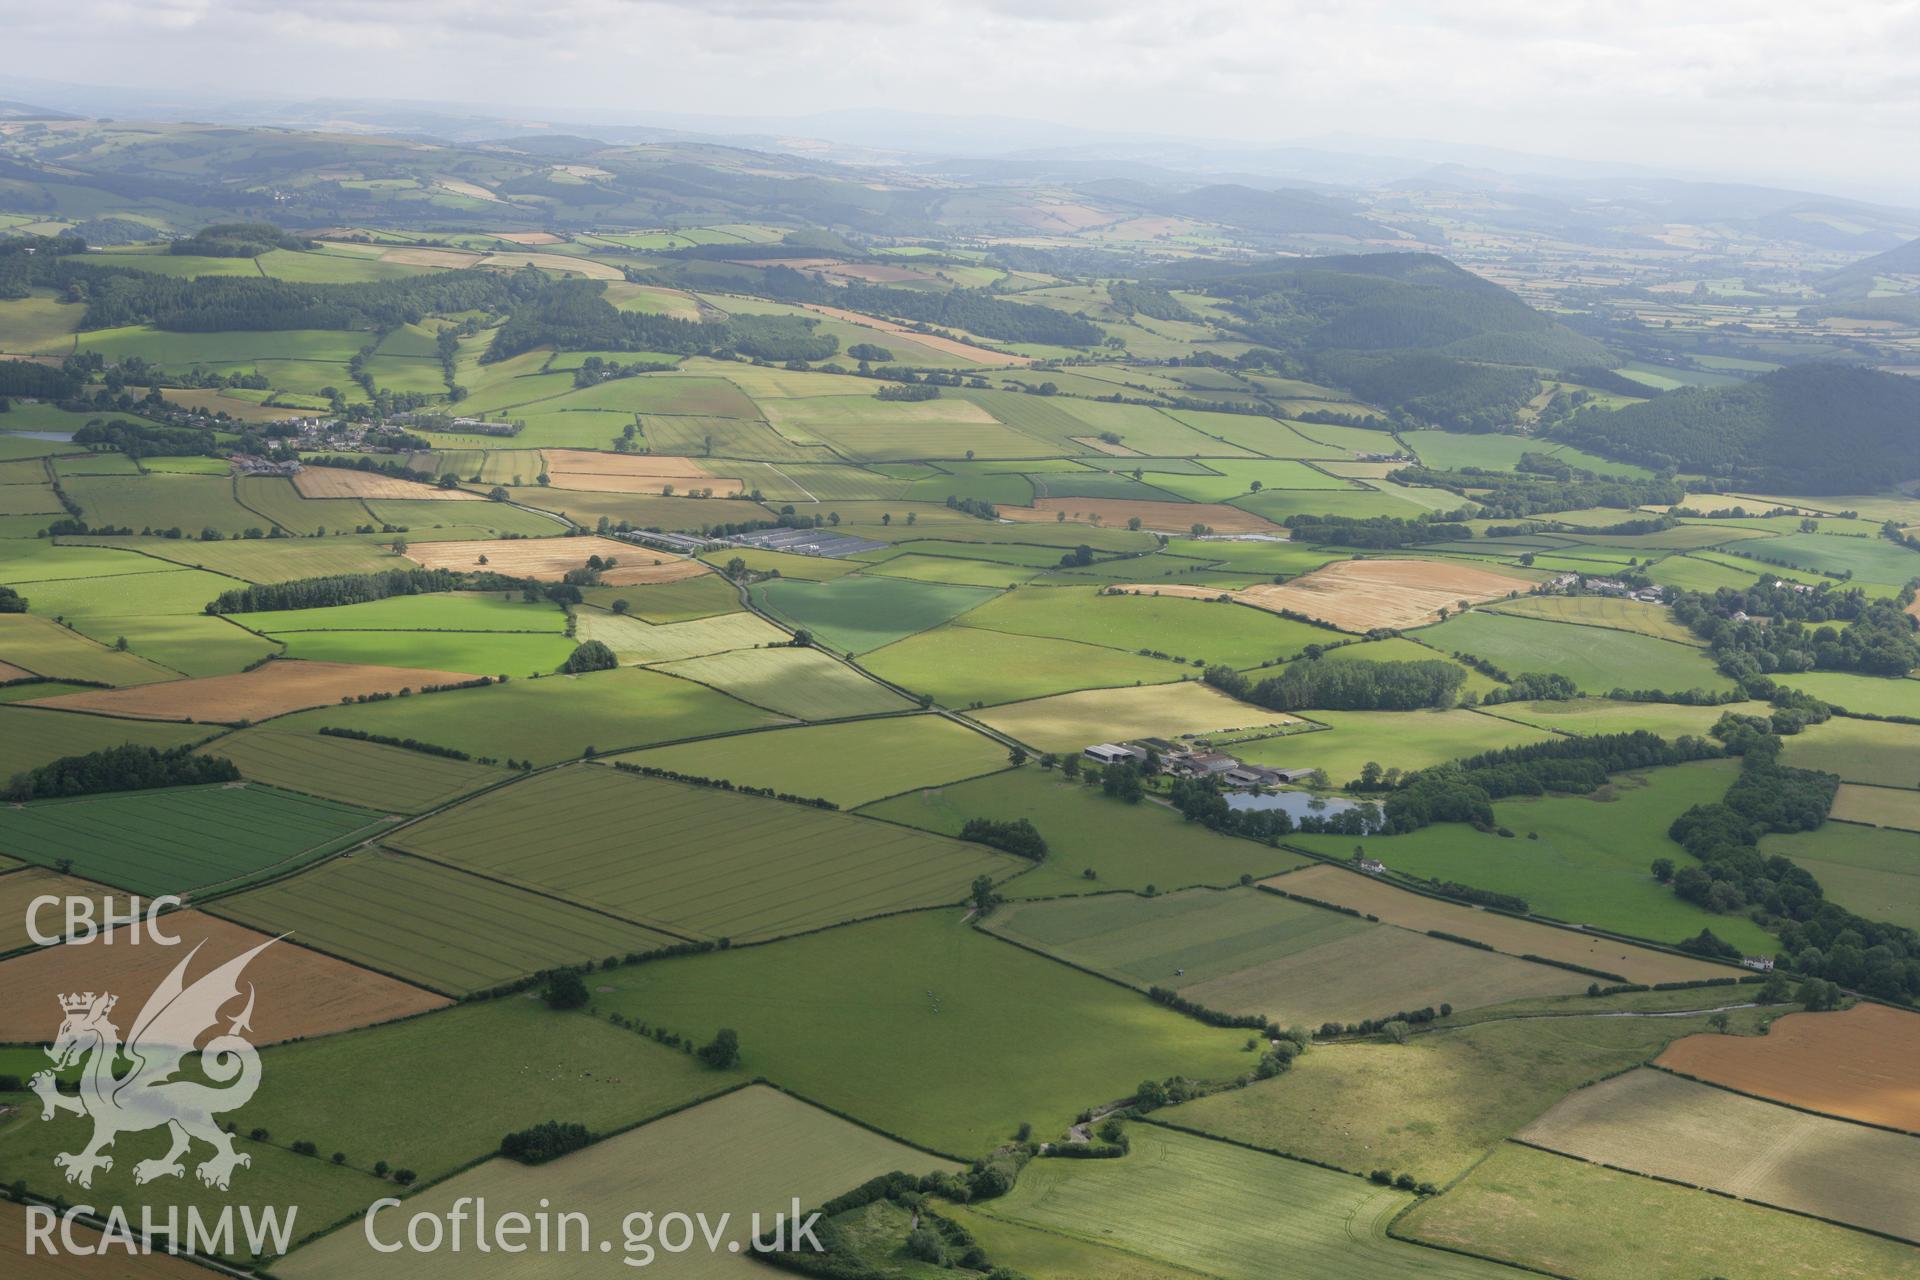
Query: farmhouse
1372, 866
1763, 964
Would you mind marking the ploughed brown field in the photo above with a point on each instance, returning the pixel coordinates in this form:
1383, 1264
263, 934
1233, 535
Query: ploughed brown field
595, 472
300, 992
344, 482
280, 686
1359, 595
1860, 1064
1503, 933
549, 559
1157, 517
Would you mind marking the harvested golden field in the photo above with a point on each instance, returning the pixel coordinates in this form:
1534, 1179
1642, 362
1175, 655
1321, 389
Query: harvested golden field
1157, 517
1858, 1064
560, 262
1654, 1123
530, 237
452, 259
1359, 595
283, 685
549, 559
596, 472
1503, 933
302, 993
9, 672
18, 888
1071, 721
342, 482
947, 346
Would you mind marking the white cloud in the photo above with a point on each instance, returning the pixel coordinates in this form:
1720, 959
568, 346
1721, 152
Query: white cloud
1768, 87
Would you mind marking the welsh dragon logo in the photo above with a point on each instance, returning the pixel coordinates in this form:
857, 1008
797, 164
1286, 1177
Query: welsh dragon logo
151, 1094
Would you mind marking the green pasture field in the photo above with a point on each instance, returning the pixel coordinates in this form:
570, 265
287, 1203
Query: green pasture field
998, 541
803, 683
642, 510
860, 614
234, 346
938, 1048
1868, 558
962, 666
188, 503
1363, 503
954, 571
157, 614
675, 395
1874, 871
699, 862
749, 439
420, 516
663, 602
1227, 1212
1590, 862
36, 688
1237, 478
95, 464
1263, 557
1447, 450
1148, 431
639, 642
33, 736
875, 442
331, 268
1237, 636
258, 560
1237, 435
1005, 489
407, 376
753, 1152
786, 564
29, 500
1433, 1106
850, 764
1404, 649
1659, 1124
432, 925
1874, 695
1602, 611
603, 1076
813, 482
473, 652
171, 590
1596, 660
39, 325
441, 611
1686, 537
195, 466
1560, 1215
550, 719
46, 648
1126, 846
1406, 740
1247, 951
192, 644
1069, 722
1871, 751
1047, 1255
1010, 554
1603, 715
391, 779
182, 839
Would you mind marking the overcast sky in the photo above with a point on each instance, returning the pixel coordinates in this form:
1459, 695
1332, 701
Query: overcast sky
1823, 94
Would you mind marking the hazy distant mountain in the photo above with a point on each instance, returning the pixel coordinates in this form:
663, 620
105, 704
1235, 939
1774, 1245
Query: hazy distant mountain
1857, 280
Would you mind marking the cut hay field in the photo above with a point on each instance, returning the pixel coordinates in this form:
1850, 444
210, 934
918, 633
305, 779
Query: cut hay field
605, 1077
1566, 1217
637, 642
185, 840
1603, 715
1406, 740
593, 471
1869, 751
1655, 1123
1189, 629
850, 764
1590, 863
1359, 595
46, 648
938, 1048
1070, 721
364, 773
1438, 1103
1856, 1064
1125, 846
343, 482
699, 862
1154, 516
1504, 933
750, 1152
961, 666
1610, 612
31, 737
266, 691
859, 614
1871, 870
1595, 659
1244, 951
1227, 1212
548, 559
803, 683
550, 719
302, 992
433, 925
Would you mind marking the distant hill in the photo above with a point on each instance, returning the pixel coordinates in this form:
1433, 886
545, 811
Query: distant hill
1811, 428
1273, 212
27, 111
1407, 331
1857, 280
